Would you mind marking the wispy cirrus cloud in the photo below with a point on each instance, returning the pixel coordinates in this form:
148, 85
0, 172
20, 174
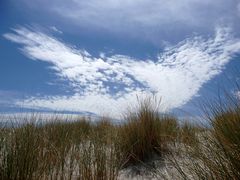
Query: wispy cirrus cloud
146, 19
53, 28
109, 83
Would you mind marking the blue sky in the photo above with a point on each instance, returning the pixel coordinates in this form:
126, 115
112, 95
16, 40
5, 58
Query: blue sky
98, 56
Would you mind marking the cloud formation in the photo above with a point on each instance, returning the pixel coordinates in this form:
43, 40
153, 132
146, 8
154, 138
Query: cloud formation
108, 84
148, 19
53, 28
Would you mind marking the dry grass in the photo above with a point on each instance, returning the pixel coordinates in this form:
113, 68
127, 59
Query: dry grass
215, 152
189, 133
62, 150
82, 149
146, 133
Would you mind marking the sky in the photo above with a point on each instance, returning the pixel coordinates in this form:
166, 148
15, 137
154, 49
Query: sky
100, 57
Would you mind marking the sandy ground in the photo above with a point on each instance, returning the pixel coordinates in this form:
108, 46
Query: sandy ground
154, 170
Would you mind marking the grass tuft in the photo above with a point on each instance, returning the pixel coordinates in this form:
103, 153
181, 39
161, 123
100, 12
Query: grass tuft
145, 133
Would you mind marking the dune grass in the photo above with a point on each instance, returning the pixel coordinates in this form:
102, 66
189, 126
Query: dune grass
145, 132
214, 151
59, 150
225, 122
83, 149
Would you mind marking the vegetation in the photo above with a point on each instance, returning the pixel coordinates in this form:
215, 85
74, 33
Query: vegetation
66, 150
84, 149
145, 133
215, 152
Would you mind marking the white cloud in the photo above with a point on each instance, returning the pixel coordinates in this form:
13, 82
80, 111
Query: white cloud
237, 94
149, 19
53, 28
108, 84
